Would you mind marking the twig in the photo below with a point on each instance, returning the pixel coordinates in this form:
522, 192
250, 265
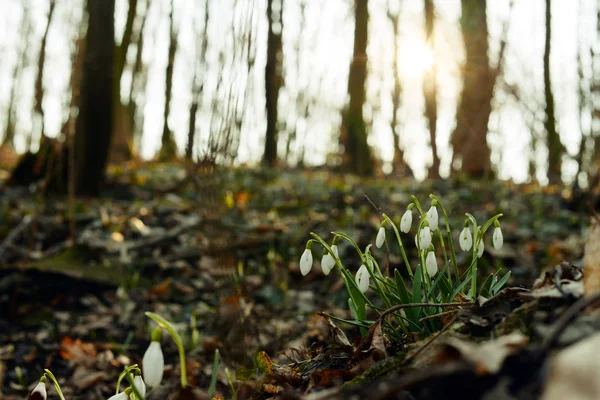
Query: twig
15, 232
409, 305
566, 318
438, 315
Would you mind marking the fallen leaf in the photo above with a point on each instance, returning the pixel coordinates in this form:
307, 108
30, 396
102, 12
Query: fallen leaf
591, 260
575, 372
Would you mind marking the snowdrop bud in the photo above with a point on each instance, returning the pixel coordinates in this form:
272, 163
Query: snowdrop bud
425, 238
431, 264
39, 392
380, 237
306, 262
406, 221
497, 238
328, 261
465, 239
120, 396
480, 249
153, 364
432, 218
362, 278
139, 384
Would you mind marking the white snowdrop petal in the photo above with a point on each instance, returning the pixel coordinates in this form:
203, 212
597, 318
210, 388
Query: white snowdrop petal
498, 239
306, 261
139, 384
327, 263
380, 237
481, 249
153, 365
39, 392
406, 221
433, 218
425, 238
119, 396
431, 264
362, 278
465, 239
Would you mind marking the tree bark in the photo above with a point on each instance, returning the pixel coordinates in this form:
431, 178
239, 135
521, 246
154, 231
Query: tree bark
469, 139
555, 147
430, 91
273, 79
357, 153
398, 163
25, 35
168, 148
121, 148
39, 80
94, 123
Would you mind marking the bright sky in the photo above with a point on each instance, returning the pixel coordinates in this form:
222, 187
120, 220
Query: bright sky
321, 71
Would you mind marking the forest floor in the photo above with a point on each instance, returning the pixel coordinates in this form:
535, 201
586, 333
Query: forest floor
216, 253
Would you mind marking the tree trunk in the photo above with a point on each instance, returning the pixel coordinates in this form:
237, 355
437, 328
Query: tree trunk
399, 164
555, 148
273, 79
121, 148
94, 123
39, 81
168, 148
469, 139
357, 153
25, 35
430, 91
198, 86
138, 82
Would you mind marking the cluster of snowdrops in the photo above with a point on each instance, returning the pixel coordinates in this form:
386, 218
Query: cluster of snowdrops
140, 380
431, 286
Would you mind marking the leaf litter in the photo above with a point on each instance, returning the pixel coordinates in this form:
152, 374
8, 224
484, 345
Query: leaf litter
226, 255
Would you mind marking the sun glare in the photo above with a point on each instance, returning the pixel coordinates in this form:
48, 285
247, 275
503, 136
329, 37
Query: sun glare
416, 58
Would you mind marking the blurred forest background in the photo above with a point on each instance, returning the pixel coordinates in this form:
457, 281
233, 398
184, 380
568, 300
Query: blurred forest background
427, 88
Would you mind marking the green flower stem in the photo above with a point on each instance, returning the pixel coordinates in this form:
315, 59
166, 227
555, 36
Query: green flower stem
134, 389
416, 201
386, 218
445, 253
163, 323
55, 382
351, 241
213, 378
124, 374
449, 233
476, 244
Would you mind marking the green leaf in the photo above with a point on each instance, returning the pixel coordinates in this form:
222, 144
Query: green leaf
500, 283
416, 295
406, 298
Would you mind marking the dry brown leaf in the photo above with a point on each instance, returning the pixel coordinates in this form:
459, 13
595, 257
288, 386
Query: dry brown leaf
576, 372
488, 357
591, 260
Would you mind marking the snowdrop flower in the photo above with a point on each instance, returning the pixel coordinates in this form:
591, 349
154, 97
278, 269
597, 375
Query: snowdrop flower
362, 278
432, 218
328, 262
306, 262
120, 396
380, 237
39, 392
406, 221
480, 249
139, 384
424, 238
465, 239
497, 238
431, 264
153, 363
